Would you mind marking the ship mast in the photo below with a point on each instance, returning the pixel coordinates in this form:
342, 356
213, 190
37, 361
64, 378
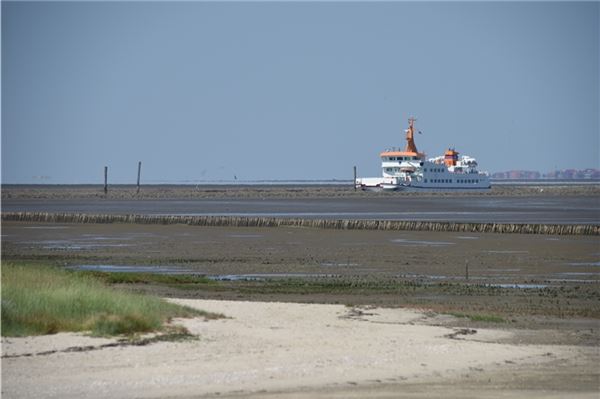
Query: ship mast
410, 142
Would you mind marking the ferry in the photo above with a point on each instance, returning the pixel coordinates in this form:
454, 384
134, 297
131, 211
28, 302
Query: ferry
409, 170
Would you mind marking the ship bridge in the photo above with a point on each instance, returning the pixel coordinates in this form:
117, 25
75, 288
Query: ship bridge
395, 161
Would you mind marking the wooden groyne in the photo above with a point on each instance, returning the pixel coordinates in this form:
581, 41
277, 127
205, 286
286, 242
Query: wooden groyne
234, 221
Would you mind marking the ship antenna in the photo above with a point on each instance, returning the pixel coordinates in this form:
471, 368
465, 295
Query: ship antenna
410, 133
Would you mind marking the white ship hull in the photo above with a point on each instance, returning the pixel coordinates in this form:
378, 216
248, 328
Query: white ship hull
413, 187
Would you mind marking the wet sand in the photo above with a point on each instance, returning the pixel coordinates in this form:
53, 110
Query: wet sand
304, 351
439, 256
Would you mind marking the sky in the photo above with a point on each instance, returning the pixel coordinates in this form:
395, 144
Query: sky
292, 90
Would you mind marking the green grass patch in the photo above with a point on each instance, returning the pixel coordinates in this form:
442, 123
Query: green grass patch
148, 278
45, 300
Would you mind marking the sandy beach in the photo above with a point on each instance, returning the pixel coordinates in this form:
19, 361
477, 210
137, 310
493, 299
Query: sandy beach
301, 350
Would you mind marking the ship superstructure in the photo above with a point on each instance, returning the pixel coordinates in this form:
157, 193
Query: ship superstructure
409, 169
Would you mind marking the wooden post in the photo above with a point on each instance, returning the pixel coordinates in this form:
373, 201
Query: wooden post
105, 180
354, 182
138, 179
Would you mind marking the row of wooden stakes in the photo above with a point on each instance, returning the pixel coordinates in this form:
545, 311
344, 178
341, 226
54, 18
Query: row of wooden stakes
346, 224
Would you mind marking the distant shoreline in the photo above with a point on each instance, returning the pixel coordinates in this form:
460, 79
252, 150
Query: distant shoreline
293, 183
262, 191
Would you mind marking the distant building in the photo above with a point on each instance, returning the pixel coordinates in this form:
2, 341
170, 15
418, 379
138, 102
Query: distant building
565, 174
517, 175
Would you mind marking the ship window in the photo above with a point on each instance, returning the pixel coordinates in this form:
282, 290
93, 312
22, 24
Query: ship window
425, 180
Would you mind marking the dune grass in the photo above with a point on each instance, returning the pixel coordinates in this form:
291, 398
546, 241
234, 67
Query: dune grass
45, 300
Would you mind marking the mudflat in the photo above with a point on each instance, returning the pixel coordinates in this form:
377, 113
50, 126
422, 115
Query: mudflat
515, 277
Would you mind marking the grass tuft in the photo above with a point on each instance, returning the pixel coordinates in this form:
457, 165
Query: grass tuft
46, 300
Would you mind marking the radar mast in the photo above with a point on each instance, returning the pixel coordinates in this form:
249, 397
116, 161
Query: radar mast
410, 134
